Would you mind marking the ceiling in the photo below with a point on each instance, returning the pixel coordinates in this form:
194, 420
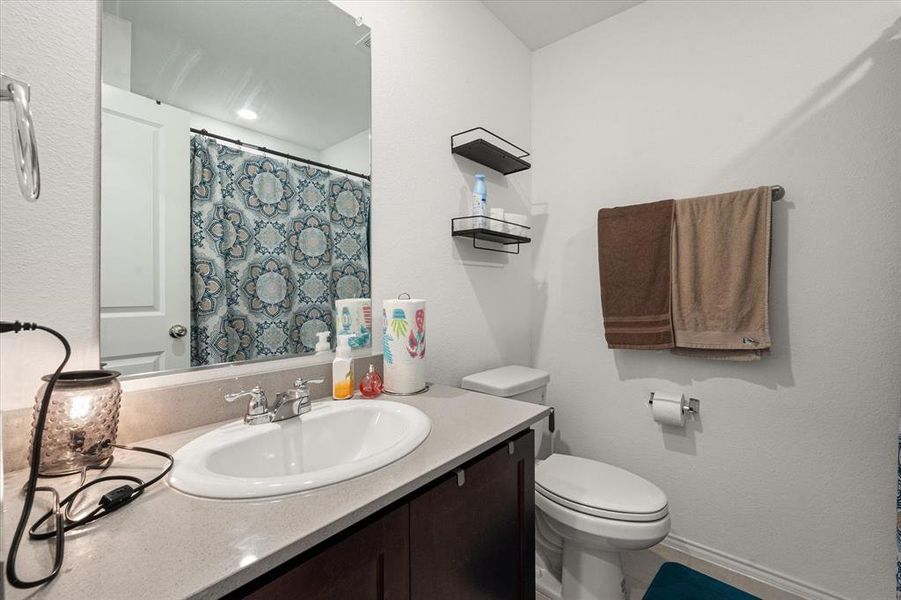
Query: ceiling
296, 64
541, 22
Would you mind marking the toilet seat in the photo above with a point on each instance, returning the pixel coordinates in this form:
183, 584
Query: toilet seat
591, 531
600, 490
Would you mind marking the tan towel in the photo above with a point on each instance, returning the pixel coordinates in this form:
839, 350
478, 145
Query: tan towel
634, 246
721, 257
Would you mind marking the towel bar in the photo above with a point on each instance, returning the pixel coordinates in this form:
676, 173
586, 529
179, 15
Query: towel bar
778, 192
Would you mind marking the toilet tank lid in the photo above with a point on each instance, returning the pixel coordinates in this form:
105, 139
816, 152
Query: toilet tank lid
506, 381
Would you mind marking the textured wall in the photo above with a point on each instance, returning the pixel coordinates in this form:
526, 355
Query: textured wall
351, 154
791, 466
439, 68
48, 248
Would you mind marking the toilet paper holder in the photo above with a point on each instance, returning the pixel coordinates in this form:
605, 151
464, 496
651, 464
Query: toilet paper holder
691, 408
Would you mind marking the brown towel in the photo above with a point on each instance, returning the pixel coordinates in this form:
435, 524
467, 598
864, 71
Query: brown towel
721, 257
634, 246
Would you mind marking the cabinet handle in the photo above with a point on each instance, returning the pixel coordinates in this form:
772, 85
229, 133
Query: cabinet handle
511, 448
461, 477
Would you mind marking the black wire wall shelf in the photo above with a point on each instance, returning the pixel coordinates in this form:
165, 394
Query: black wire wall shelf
497, 231
489, 154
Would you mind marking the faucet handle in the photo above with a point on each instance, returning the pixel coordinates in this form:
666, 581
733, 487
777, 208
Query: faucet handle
258, 404
300, 383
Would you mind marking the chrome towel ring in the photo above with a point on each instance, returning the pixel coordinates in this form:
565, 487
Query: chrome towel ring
25, 146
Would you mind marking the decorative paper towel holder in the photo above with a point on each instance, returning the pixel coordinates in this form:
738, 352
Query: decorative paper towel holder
691, 408
426, 386
416, 393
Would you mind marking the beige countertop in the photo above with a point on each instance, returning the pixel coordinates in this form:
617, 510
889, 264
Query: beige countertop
168, 545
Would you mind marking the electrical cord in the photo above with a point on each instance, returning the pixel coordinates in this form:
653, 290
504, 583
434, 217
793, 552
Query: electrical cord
109, 502
32, 485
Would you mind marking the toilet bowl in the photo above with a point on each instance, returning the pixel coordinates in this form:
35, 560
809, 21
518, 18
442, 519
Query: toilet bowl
598, 510
587, 512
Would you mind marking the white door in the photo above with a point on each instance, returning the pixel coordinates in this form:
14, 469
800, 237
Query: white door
145, 246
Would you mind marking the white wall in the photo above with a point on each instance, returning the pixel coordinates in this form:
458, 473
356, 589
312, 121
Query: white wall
351, 154
116, 70
792, 464
115, 47
439, 68
249, 135
48, 248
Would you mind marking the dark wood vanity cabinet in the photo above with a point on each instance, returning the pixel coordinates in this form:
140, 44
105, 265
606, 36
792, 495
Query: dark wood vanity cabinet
368, 562
472, 533
469, 535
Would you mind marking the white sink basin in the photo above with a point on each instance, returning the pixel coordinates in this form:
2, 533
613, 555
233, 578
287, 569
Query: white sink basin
334, 442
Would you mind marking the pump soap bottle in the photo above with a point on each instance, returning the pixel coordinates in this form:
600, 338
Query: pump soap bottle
323, 345
343, 370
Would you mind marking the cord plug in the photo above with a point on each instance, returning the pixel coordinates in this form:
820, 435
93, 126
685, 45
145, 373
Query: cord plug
116, 498
16, 326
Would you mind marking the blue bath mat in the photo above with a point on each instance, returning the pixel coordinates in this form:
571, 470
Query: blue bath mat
677, 582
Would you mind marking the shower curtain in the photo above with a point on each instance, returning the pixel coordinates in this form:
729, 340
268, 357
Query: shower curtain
273, 244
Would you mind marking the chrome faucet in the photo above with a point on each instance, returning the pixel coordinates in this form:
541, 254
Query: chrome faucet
257, 408
292, 403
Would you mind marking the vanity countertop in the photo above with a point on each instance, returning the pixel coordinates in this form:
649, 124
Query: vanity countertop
170, 545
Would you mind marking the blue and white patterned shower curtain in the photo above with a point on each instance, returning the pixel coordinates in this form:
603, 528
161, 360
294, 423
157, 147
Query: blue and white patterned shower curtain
273, 244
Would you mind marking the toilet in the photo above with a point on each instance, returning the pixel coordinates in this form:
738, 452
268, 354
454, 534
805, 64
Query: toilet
587, 512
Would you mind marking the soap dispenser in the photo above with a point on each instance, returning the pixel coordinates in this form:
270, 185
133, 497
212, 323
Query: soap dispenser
343, 370
323, 346
371, 384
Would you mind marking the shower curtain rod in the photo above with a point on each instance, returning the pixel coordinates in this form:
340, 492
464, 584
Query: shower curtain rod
266, 150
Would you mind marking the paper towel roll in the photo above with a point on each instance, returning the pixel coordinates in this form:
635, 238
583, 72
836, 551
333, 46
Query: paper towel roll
403, 339
667, 409
353, 316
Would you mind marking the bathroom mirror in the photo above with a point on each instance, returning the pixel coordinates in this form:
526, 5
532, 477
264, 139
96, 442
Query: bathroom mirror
235, 195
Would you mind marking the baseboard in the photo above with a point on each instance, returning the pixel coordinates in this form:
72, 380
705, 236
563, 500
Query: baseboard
743, 567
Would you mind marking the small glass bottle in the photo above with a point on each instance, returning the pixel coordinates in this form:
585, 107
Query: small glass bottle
371, 384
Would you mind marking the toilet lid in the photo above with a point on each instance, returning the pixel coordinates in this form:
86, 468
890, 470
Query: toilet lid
599, 489
506, 381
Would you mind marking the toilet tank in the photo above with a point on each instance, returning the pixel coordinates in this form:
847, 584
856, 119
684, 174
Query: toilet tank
518, 383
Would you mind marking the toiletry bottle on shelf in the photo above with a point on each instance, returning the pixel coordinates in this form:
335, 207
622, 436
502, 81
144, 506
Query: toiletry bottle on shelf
343, 370
479, 201
323, 346
371, 384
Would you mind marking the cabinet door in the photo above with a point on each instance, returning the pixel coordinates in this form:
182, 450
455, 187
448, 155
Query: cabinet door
473, 536
371, 563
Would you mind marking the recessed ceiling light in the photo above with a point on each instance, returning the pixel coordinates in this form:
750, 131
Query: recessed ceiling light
246, 113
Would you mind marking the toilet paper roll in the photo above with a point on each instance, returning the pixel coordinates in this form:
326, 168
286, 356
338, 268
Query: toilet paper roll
403, 339
667, 409
353, 317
